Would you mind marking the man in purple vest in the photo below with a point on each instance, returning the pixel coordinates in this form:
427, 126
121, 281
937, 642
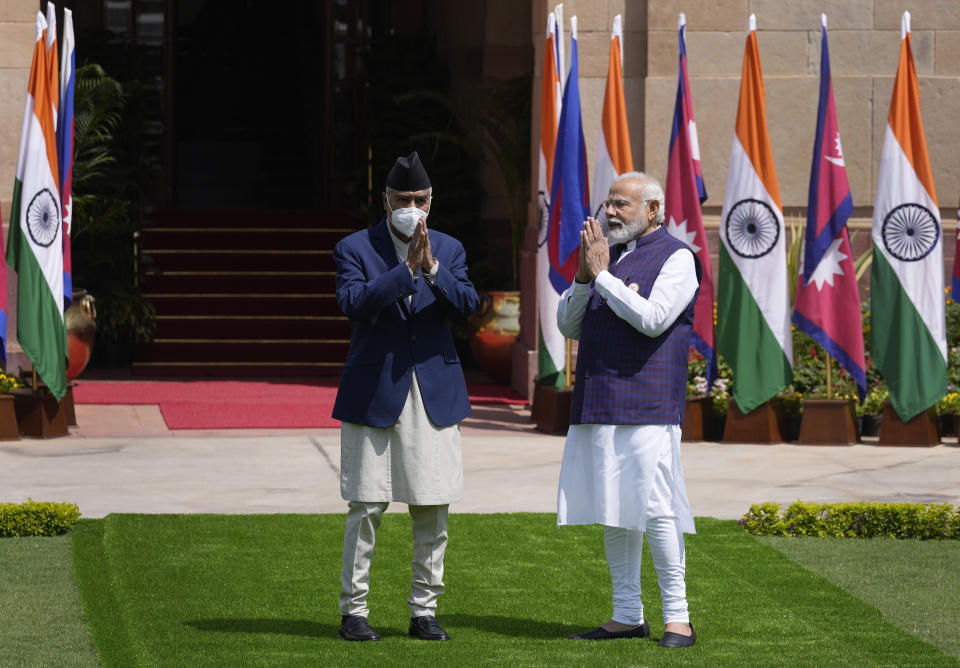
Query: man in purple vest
631, 306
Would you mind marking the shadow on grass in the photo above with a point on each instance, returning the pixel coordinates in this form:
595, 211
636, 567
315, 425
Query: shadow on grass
495, 624
288, 627
511, 626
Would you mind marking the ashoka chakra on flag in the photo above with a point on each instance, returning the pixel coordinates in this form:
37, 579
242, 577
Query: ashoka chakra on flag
910, 232
752, 228
43, 217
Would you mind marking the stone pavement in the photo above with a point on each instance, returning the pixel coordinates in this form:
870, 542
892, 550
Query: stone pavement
123, 459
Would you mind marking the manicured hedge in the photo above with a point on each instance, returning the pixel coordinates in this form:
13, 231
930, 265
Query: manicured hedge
855, 520
36, 518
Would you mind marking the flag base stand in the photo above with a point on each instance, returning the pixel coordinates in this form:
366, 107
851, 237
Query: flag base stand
9, 428
762, 425
39, 414
69, 407
697, 419
551, 405
921, 430
828, 422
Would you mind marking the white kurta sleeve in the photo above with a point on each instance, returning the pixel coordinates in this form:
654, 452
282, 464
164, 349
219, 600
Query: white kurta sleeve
571, 307
671, 294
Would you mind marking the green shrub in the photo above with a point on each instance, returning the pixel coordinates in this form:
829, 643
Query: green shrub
35, 518
923, 521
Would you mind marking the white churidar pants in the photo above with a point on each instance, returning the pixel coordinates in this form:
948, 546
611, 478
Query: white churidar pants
630, 479
429, 544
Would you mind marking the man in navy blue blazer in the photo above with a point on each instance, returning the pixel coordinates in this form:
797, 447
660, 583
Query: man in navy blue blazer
402, 394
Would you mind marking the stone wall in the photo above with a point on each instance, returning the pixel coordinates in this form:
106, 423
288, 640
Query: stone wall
17, 32
17, 36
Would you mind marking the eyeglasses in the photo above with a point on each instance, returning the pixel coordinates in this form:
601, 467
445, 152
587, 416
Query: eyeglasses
621, 204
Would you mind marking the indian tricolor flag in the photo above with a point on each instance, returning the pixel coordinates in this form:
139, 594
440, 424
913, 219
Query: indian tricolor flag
551, 355
908, 332
50, 39
34, 248
753, 302
613, 149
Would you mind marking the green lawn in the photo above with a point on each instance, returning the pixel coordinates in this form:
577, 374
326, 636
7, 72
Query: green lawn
41, 623
916, 584
223, 590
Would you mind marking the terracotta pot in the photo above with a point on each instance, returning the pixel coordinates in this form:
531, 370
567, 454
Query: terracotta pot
81, 317
495, 328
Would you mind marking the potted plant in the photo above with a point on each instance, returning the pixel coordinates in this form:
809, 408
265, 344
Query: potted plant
872, 409
108, 168
792, 411
720, 404
947, 409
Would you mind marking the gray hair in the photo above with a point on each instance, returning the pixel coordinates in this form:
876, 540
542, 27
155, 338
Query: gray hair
389, 190
651, 190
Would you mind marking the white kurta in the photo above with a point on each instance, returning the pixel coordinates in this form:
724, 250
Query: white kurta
621, 475
412, 461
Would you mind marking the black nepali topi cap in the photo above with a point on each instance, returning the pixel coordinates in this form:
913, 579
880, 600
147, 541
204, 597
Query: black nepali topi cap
408, 174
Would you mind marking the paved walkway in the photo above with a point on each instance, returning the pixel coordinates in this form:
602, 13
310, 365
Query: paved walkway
124, 459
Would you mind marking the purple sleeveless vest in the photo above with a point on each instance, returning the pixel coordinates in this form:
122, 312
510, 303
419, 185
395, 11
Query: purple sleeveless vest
623, 376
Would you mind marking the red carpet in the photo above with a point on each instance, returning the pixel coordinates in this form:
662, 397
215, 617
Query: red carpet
245, 405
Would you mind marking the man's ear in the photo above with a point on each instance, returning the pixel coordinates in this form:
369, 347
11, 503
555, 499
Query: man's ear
654, 207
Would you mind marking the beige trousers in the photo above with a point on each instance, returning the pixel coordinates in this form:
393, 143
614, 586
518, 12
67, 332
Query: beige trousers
429, 545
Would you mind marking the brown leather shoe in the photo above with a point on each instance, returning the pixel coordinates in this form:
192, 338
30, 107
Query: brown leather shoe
355, 627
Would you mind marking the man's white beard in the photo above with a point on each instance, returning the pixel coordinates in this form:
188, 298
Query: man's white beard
627, 230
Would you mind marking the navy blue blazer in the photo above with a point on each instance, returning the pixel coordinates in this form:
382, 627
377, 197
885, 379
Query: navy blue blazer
388, 338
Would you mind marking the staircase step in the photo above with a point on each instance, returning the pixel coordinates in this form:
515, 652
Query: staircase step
255, 218
256, 327
244, 304
239, 238
259, 370
241, 281
242, 351
206, 260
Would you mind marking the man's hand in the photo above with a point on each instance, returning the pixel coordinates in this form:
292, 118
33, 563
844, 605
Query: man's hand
427, 250
594, 251
418, 248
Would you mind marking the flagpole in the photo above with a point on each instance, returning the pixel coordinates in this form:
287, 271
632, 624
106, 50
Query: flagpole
829, 376
566, 366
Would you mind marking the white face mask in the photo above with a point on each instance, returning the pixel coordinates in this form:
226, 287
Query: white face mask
405, 220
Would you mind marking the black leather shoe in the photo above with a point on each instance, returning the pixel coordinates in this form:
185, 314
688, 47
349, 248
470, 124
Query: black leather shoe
426, 628
600, 633
355, 627
671, 639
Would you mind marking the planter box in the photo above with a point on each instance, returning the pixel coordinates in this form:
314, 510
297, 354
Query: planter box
921, 430
551, 405
828, 422
764, 424
698, 419
9, 429
68, 406
39, 414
